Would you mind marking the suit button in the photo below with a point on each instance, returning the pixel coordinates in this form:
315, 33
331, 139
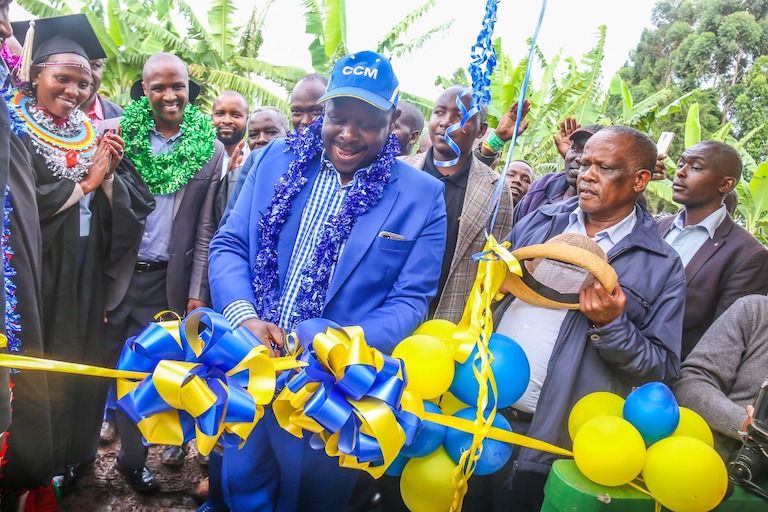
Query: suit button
595, 337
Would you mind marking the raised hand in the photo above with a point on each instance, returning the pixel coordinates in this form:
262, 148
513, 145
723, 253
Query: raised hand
563, 141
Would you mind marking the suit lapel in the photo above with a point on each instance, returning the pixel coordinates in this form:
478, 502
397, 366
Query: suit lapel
476, 201
177, 198
708, 249
364, 233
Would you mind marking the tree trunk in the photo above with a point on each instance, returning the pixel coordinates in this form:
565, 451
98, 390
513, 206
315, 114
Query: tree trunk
727, 107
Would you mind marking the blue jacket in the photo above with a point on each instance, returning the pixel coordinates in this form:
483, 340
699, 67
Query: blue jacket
546, 190
642, 345
380, 283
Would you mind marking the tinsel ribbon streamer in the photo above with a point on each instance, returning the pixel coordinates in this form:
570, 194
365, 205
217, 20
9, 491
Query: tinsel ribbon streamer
483, 61
206, 381
353, 400
498, 434
474, 330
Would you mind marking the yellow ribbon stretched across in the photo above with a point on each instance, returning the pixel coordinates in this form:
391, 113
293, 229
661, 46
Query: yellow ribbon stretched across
498, 434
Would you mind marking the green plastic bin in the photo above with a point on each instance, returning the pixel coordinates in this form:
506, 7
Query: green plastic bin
567, 490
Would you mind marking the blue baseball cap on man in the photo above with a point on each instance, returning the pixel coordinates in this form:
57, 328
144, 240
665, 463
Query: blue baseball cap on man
366, 76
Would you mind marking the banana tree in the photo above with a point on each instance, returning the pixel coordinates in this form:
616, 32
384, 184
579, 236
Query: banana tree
326, 20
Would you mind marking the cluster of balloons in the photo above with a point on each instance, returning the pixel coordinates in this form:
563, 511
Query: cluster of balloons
427, 465
617, 440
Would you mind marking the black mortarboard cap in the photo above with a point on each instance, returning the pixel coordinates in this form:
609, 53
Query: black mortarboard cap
61, 34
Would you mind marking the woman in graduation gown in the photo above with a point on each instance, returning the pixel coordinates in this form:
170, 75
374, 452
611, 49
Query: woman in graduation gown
28, 462
92, 205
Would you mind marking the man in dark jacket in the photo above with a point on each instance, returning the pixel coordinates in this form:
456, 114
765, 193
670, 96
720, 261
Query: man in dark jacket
556, 187
722, 260
615, 340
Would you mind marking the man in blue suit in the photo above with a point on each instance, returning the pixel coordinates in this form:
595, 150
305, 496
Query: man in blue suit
349, 234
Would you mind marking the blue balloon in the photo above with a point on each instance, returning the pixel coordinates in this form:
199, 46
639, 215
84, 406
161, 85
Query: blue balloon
653, 411
495, 453
429, 438
510, 369
396, 468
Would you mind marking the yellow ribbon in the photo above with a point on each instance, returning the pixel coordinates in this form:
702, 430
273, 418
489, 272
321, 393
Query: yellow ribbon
474, 331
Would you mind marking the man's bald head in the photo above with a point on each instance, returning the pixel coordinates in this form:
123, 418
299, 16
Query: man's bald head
164, 59
166, 86
724, 158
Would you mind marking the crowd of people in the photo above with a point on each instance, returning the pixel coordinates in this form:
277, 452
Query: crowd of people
355, 209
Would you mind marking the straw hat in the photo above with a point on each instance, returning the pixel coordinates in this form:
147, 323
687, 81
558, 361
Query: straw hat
554, 272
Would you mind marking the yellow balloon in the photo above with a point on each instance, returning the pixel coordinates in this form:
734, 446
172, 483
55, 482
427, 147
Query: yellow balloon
428, 365
693, 425
440, 329
685, 475
609, 451
600, 403
426, 484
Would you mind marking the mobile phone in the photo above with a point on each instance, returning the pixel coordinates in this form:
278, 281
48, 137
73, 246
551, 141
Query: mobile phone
665, 140
108, 124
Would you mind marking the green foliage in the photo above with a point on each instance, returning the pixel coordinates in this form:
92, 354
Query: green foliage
753, 203
327, 21
707, 47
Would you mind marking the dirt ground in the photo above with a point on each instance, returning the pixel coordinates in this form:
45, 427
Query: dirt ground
104, 489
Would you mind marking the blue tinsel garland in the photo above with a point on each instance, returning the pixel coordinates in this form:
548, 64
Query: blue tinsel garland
12, 319
18, 126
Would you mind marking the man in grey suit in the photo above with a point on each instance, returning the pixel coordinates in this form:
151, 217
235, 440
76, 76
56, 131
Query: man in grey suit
169, 268
722, 260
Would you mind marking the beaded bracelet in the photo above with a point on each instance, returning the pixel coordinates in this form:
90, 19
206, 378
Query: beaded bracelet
493, 143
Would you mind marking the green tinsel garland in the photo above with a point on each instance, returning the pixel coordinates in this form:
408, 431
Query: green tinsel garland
168, 172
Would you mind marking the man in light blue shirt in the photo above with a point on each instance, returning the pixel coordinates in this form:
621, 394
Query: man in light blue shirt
723, 262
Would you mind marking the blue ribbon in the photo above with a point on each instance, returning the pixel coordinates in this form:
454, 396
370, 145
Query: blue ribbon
483, 56
502, 183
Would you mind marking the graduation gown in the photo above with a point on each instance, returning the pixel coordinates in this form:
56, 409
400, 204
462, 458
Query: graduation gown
73, 297
28, 458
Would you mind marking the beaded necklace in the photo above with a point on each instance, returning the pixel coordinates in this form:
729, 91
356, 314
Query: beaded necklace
67, 147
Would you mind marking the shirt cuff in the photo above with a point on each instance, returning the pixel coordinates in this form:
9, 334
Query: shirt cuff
238, 312
77, 195
107, 186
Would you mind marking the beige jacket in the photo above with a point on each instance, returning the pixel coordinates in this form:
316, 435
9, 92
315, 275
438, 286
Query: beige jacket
480, 185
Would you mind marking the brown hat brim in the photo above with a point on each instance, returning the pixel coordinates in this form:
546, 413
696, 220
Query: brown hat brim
594, 264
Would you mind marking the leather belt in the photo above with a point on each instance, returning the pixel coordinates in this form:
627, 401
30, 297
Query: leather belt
150, 266
511, 413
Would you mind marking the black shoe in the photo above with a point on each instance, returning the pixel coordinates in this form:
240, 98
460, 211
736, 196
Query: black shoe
174, 455
68, 481
142, 480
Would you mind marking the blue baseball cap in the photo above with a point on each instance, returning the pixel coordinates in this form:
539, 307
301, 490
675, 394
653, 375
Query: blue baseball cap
365, 76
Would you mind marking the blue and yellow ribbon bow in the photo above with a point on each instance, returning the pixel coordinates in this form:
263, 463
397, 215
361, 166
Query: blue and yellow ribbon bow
350, 397
205, 381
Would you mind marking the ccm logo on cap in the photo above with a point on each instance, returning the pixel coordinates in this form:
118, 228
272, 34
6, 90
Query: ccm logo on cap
360, 71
